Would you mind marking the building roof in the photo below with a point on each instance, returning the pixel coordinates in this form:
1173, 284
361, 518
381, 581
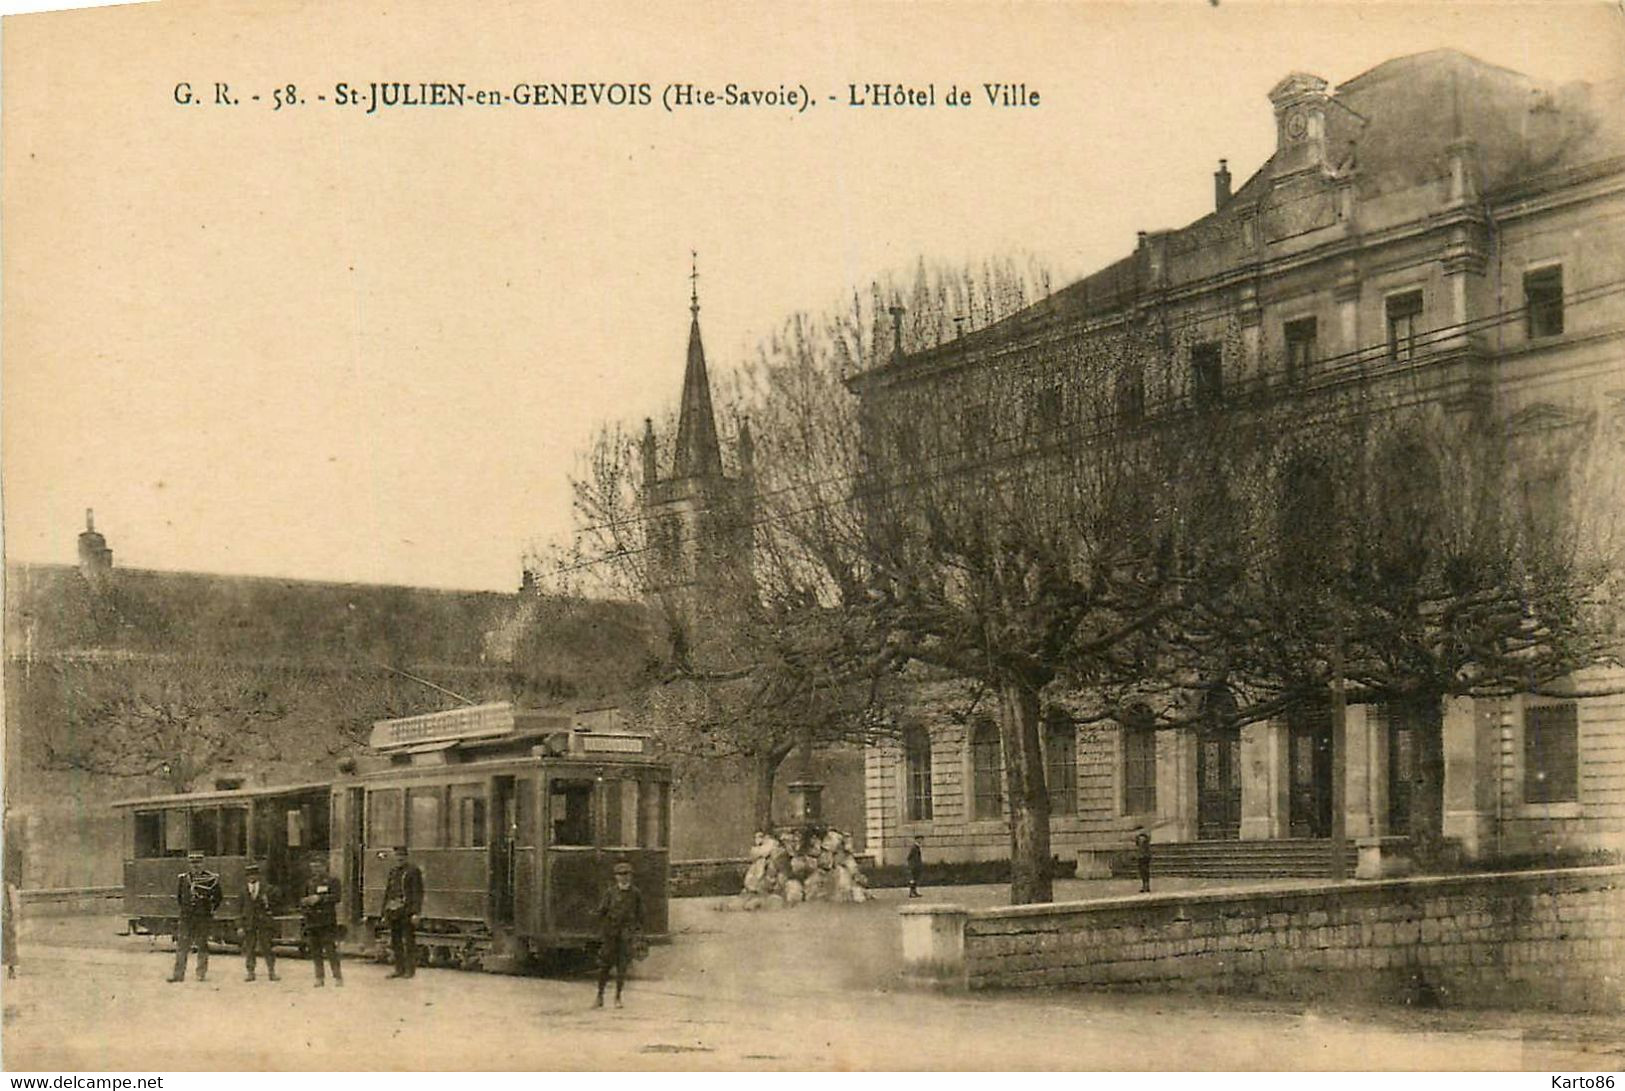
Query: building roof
1390, 128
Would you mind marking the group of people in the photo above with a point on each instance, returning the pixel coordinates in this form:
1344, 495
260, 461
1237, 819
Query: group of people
819, 867
199, 894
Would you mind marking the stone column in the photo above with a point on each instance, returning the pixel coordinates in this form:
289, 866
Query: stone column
1365, 765
1176, 785
1471, 767
1265, 781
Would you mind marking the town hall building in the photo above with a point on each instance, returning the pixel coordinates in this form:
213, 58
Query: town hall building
1438, 230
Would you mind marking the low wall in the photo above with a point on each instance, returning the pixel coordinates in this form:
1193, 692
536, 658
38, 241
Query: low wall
70, 901
1525, 939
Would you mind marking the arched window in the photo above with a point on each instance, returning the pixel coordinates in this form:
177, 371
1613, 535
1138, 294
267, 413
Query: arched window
917, 774
987, 768
1061, 761
1139, 762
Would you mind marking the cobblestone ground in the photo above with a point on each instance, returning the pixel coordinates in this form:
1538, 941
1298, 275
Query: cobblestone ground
811, 988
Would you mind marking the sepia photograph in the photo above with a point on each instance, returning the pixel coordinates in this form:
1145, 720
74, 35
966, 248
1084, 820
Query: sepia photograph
846, 538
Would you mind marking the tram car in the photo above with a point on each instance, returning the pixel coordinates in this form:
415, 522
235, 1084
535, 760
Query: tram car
280, 827
516, 818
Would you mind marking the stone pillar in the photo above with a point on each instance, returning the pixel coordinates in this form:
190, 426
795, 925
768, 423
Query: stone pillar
1265, 781
1365, 764
934, 942
1471, 767
1176, 785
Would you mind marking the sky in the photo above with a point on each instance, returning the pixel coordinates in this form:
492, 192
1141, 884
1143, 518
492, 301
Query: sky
319, 343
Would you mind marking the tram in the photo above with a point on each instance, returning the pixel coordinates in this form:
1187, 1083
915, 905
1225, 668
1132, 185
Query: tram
516, 818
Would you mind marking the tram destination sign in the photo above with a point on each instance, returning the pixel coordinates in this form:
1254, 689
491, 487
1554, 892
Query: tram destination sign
611, 744
474, 722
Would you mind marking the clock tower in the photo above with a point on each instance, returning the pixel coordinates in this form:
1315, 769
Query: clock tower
1300, 103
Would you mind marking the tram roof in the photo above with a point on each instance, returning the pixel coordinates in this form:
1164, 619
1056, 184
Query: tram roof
219, 795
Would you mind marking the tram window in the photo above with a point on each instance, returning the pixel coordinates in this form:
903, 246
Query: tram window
468, 816
206, 831
424, 829
149, 834
386, 821
296, 827
175, 833
655, 816
234, 831
572, 812
621, 812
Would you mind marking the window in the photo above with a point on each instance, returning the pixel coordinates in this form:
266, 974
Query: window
1046, 416
1543, 301
621, 812
1404, 318
917, 768
1207, 375
1301, 349
149, 834
1061, 762
1139, 764
175, 823
234, 831
1131, 395
1551, 754
424, 830
987, 766
571, 808
386, 821
656, 815
468, 816
206, 831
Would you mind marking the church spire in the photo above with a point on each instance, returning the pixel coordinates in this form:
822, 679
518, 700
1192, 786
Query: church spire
698, 453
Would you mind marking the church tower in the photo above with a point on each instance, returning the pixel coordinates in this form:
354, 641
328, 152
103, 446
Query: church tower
699, 521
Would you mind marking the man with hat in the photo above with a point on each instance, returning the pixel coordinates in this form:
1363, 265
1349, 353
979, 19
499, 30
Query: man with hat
320, 906
403, 901
620, 925
258, 921
197, 896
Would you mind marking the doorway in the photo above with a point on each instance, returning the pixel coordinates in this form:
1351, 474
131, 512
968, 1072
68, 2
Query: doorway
1311, 759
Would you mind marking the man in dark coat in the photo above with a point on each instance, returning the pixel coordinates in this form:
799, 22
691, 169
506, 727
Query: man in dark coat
197, 896
403, 901
916, 867
258, 921
1142, 858
320, 906
620, 928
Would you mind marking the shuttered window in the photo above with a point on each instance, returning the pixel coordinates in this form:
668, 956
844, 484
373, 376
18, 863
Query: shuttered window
1551, 753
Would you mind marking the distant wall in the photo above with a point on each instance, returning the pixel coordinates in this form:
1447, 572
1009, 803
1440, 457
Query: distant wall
1544, 938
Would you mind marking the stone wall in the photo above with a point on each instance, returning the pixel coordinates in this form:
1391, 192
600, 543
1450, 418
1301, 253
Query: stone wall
1543, 938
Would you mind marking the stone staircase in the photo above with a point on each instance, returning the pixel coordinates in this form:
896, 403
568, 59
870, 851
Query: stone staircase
1291, 858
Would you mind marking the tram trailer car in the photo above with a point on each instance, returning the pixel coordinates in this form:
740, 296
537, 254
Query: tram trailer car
284, 827
516, 818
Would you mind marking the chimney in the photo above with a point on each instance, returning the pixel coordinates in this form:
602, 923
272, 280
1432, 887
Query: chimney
1221, 186
897, 331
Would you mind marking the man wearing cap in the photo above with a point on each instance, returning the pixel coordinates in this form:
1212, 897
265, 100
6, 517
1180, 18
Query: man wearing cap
620, 923
197, 896
403, 901
320, 904
258, 921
